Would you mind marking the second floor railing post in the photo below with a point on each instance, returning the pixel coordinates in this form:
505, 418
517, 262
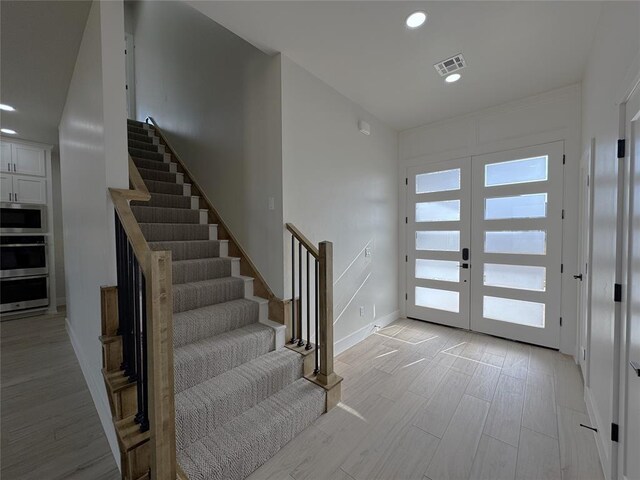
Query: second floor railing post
326, 374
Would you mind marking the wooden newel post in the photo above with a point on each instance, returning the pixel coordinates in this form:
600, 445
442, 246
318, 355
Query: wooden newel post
326, 375
160, 367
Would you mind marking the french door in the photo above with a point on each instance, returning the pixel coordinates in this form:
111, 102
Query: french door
439, 227
485, 243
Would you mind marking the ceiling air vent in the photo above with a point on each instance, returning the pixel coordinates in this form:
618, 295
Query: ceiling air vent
450, 65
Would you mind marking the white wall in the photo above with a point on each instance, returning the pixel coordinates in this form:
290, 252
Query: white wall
531, 121
218, 100
606, 78
341, 185
57, 228
93, 156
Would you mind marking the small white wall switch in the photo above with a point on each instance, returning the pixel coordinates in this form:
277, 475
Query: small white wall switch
272, 203
362, 311
367, 252
364, 127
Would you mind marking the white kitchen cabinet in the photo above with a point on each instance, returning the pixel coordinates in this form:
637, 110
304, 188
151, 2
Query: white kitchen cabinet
29, 189
23, 189
6, 158
28, 160
6, 188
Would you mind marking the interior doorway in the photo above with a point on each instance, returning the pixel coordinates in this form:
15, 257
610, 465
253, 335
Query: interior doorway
485, 243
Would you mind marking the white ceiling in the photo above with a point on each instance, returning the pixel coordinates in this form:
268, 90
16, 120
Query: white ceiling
39, 43
363, 50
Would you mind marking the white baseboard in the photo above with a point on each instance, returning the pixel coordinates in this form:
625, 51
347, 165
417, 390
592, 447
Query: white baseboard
594, 418
97, 391
362, 333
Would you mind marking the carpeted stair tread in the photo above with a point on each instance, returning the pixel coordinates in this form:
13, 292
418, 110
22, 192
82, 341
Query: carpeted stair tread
194, 325
145, 214
187, 296
206, 406
164, 200
199, 269
187, 250
137, 130
134, 152
142, 145
237, 448
157, 175
142, 138
170, 188
168, 232
151, 164
200, 361
135, 123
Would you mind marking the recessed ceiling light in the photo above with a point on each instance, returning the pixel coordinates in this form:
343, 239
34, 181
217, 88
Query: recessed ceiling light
7, 108
416, 19
8, 131
454, 77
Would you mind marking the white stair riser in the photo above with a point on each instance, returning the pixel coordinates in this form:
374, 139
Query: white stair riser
213, 232
224, 248
167, 158
186, 189
248, 287
204, 217
235, 267
173, 167
195, 202
180, 178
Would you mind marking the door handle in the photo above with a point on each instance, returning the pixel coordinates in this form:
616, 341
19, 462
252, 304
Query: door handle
578, 277
465, 254
636, 367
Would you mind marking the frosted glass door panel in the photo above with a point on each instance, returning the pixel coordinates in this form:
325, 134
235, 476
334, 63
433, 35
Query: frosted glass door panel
515, 276
514, 311
438, 299
438, 240
438, 181
516, 171
520, 206
531, 242
445, 211
443, 270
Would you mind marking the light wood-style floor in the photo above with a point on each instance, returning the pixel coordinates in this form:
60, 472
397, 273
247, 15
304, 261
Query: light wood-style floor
49, 425
426, 402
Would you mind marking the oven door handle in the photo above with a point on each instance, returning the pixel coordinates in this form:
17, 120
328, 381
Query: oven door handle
23, 245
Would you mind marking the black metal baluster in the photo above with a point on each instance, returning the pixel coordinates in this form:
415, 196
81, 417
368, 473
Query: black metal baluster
130, 295
144, 424
137, 314
293, 290
308, 347
121, 314
300, 340
317, 352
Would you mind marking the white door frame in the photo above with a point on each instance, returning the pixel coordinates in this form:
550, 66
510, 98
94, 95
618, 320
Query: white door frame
629, 112
583, 331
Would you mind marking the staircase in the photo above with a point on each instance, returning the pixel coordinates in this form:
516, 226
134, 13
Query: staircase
240, 394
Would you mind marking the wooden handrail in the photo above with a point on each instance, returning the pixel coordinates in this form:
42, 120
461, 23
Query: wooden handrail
306, 243
156, 267
222, 225
324, 374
